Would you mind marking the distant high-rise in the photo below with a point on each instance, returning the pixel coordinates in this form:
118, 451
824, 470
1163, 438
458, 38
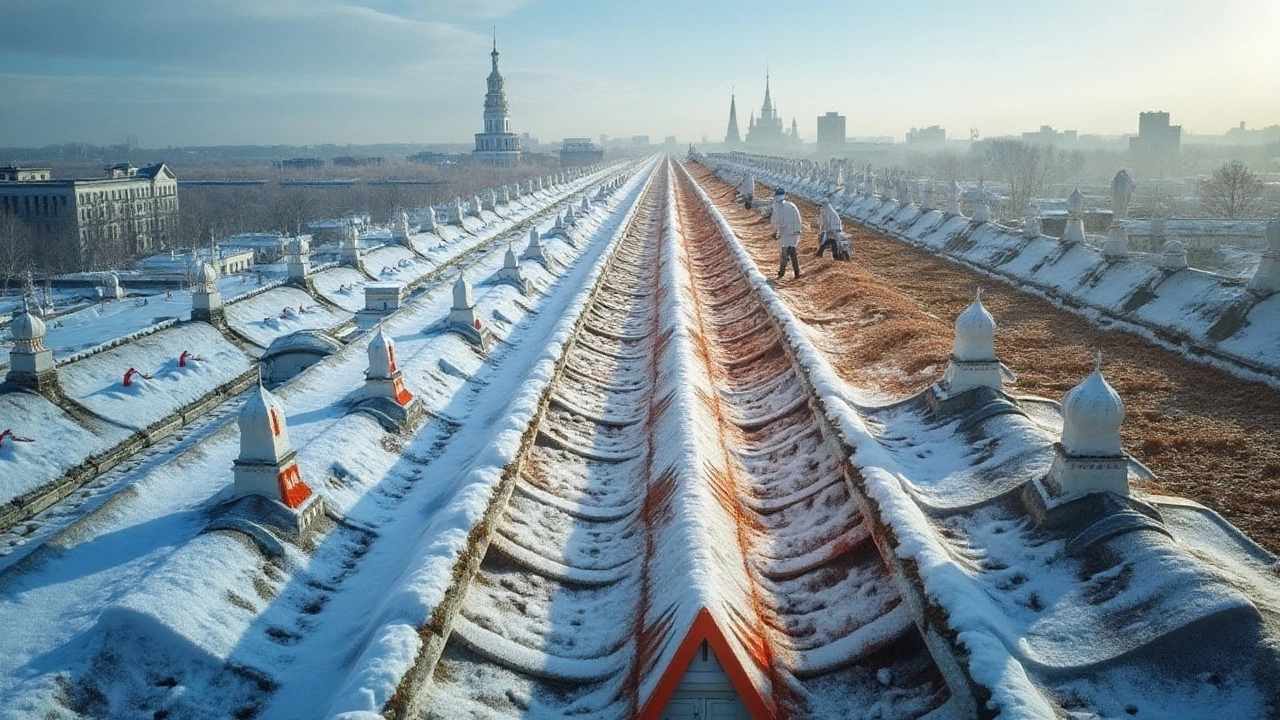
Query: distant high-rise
731, 136
831, 130
497, 145
1157, 140
932, 135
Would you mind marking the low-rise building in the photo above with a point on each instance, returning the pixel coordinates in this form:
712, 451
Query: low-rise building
580, 151
175, 264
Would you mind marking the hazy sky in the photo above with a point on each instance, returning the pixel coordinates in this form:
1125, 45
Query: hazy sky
362, 71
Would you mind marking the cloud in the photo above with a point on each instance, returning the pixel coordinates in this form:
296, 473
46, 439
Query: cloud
447, 9
307, 37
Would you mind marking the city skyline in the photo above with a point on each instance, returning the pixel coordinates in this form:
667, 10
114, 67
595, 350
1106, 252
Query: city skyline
294, 72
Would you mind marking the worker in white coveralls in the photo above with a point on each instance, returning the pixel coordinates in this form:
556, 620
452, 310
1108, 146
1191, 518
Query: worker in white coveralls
829, 227
785, 220
748, 189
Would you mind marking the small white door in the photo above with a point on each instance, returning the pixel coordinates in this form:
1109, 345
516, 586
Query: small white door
705, 692
724, 709
683, 709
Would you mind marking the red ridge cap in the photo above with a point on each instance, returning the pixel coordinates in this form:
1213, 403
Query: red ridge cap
704, 627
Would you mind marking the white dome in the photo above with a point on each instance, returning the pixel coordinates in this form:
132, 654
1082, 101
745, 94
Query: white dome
1075, 202
1092, 412
27, 326
1173, 246
113, 282
206, 273
975, 333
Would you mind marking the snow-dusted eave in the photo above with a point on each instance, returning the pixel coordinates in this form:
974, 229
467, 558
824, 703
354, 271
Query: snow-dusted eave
440, 610
910, 224
899, 528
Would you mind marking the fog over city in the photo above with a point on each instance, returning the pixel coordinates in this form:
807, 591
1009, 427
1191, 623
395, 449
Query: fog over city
375, 71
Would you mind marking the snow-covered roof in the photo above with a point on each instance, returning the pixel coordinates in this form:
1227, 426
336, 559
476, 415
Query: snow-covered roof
315, 342
202, 624
97, 382
1111, 606
281, 311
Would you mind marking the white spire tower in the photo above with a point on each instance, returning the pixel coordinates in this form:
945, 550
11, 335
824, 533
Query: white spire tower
497, 145
267, 465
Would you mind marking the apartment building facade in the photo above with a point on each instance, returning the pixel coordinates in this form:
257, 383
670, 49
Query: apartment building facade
93, 223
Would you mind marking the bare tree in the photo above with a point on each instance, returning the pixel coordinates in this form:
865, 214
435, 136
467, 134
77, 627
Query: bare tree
1233, 191
1024, 166
293, 209
15, 250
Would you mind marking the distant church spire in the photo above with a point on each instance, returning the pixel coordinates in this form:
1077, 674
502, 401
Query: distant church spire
731, 136
766, 131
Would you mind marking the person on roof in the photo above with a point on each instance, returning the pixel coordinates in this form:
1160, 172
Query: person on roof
748, 189
785, 220
829, 228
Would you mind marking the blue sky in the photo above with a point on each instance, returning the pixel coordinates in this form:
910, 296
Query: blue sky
308, 71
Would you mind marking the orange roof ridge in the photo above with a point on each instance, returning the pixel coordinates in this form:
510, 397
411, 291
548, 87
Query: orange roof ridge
704, 628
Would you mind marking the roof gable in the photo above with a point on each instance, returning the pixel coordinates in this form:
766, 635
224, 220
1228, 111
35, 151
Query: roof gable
704, 627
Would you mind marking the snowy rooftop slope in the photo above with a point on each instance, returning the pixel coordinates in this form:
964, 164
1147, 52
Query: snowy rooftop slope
341, 286
133, 607
547, 622
424, 242
97, 381
394, 262
634, 533
108, 320
111, 319
1167, 614
278, 312
1251, 231
58, 442
1214, 312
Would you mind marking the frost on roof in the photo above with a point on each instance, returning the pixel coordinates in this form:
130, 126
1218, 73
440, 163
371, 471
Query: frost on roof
680, 489
278, 312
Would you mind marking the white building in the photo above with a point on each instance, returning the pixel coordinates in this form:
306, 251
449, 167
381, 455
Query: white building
95, 222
